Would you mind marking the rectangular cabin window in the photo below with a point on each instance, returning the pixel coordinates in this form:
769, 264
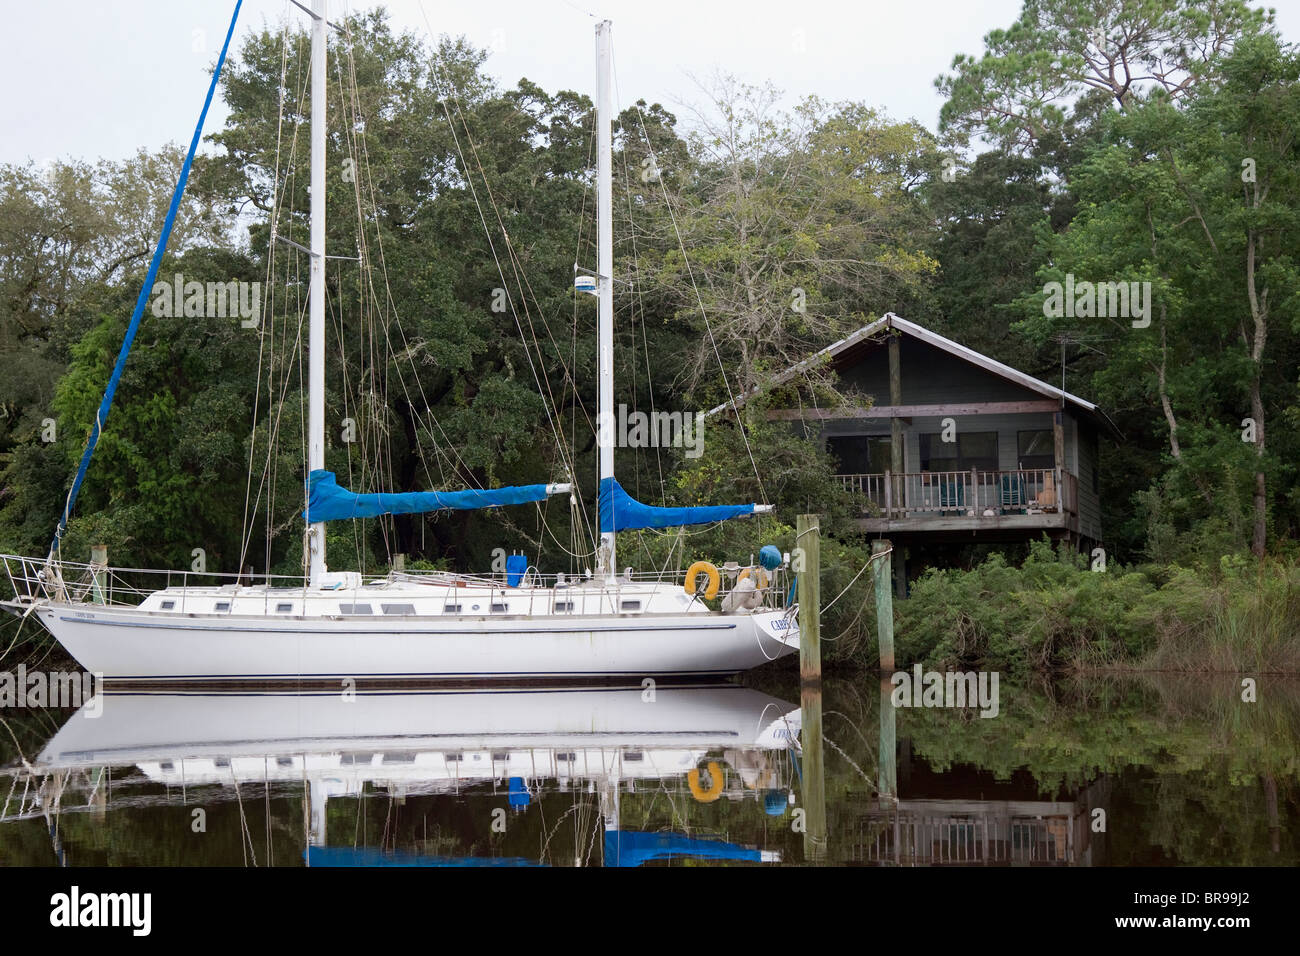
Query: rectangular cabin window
167, 605
633, 756
451, 609
223, 606
860, 454
284, 609
166, 765
1036, 449
221, 762
500, 755
969, 450
399, 758
354, 609
630, 605
564, 605
284, 761
398, 608
500, 608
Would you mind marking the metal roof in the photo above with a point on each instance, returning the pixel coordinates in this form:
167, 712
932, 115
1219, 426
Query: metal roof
891, 321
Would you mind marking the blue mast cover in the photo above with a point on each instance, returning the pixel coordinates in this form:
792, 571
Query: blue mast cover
326, 501
619, 511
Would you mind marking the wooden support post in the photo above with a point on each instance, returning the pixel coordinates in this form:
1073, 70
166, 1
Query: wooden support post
887, 782
1058, 449
99, 576
880, 576
808, 546
895, 399
814, 774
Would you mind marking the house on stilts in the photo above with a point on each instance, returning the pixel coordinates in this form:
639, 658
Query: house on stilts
954, 447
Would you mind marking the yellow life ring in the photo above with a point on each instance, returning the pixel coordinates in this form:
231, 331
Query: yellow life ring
703, 567
715, 783
761, 578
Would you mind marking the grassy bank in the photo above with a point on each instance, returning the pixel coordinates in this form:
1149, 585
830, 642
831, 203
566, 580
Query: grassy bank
1053, 612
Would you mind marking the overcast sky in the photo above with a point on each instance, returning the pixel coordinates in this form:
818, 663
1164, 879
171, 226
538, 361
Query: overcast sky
91, 78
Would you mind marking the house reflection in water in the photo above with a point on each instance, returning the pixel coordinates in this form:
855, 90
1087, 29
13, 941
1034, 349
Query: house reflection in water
1006, 825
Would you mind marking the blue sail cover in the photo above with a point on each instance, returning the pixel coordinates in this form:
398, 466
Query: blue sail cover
619, 511
346, 856
326, 501
634, 847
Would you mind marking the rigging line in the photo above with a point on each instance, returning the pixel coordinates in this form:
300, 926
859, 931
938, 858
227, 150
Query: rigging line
267, 346
639, 299
106, 403
268, 479
268, 309
469, 476
515, 265
700, 302
543, 391
870, 561
366, 258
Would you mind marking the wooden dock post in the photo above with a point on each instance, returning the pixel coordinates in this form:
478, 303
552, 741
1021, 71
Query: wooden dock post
99, 574
881, 575
808, 544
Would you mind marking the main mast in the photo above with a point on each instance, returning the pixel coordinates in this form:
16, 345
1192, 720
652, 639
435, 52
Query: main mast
316, 343
605, 276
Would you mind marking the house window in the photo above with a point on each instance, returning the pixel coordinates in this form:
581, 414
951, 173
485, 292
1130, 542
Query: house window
968, 450
1036, 449
398, 608
354, 609
860, 454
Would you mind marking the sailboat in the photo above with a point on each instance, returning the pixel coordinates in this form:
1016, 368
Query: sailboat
333, 626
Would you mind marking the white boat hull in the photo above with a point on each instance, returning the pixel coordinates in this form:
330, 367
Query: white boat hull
122, 643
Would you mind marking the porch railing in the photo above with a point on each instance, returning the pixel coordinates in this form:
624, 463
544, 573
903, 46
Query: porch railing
973, 493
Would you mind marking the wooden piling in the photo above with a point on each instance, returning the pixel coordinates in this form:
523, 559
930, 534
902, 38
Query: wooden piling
881, 576
808, 543
99, 576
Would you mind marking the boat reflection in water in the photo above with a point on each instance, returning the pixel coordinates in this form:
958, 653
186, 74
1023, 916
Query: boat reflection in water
697, 744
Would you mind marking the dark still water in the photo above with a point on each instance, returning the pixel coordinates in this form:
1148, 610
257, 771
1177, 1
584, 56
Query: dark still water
1086, 773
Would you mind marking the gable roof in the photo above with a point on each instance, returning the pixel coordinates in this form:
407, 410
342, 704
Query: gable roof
865, 336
